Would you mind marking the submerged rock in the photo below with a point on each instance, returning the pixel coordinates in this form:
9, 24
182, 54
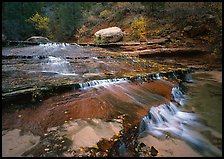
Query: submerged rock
87, 133
17, 142
153, 151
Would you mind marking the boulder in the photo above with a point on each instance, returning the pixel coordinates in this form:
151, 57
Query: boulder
39, 39
154, 152
188, 28
109, 35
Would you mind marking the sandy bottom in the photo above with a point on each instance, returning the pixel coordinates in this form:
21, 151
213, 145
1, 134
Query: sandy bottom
86, 133
14, 143
170, 147
82, 133
215, 75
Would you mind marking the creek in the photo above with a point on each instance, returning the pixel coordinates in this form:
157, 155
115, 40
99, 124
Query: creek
104, 85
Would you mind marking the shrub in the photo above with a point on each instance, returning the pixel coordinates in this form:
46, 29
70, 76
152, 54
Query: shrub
99, 40
138, 28
41, 24
105, 13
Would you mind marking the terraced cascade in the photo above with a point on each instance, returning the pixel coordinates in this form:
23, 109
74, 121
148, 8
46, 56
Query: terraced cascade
58, 65
68, 100
168, 120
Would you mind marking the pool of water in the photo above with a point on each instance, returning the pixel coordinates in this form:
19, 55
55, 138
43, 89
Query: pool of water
205, 100
196, 119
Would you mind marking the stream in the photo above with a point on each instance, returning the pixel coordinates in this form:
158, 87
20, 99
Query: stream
197, 121
82, 95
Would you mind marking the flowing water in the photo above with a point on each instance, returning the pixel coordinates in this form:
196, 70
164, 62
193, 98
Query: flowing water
172, 119
161, 106
101, 83
58, 65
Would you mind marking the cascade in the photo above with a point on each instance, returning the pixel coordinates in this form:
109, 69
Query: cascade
169, 119
102, 83
58, 65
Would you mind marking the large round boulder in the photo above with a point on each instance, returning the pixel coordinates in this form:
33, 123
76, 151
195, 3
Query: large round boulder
109, 35
38, 39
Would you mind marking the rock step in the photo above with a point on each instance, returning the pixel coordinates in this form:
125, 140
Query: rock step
167, 52
6, 57
149, 42
37, 94
14, 43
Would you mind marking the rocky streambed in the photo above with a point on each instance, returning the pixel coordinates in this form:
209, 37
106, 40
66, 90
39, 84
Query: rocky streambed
66, 100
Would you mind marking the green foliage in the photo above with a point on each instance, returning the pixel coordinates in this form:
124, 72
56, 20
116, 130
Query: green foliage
52, 19
120, 14
65, 19
99, 40
41, 23
138, 28
14, 15
216, 9
105, 13
58, 21
153, 6
86, 6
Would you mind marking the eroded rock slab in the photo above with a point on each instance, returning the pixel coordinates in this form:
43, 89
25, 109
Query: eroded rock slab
86, 133
15, 143
170, 147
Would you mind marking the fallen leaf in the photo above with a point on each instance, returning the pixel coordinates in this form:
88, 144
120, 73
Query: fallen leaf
96, 147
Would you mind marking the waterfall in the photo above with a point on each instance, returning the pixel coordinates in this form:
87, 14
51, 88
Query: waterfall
58, 65
178, 95
157, 76
168, 119
102, 83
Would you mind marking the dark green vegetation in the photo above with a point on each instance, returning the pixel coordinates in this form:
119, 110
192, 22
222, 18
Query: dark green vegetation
63, 19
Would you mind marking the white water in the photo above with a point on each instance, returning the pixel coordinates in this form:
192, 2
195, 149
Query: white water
58, 65
157, 76
178, 96
52, 45
108, 82
102, 83
168, 120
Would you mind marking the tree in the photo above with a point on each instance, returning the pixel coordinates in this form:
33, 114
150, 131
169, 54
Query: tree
57, 20
153, 6
14, 15
41, 23
64, 17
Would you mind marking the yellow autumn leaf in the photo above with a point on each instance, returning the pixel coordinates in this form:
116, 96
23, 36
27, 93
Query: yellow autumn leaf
96, 147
